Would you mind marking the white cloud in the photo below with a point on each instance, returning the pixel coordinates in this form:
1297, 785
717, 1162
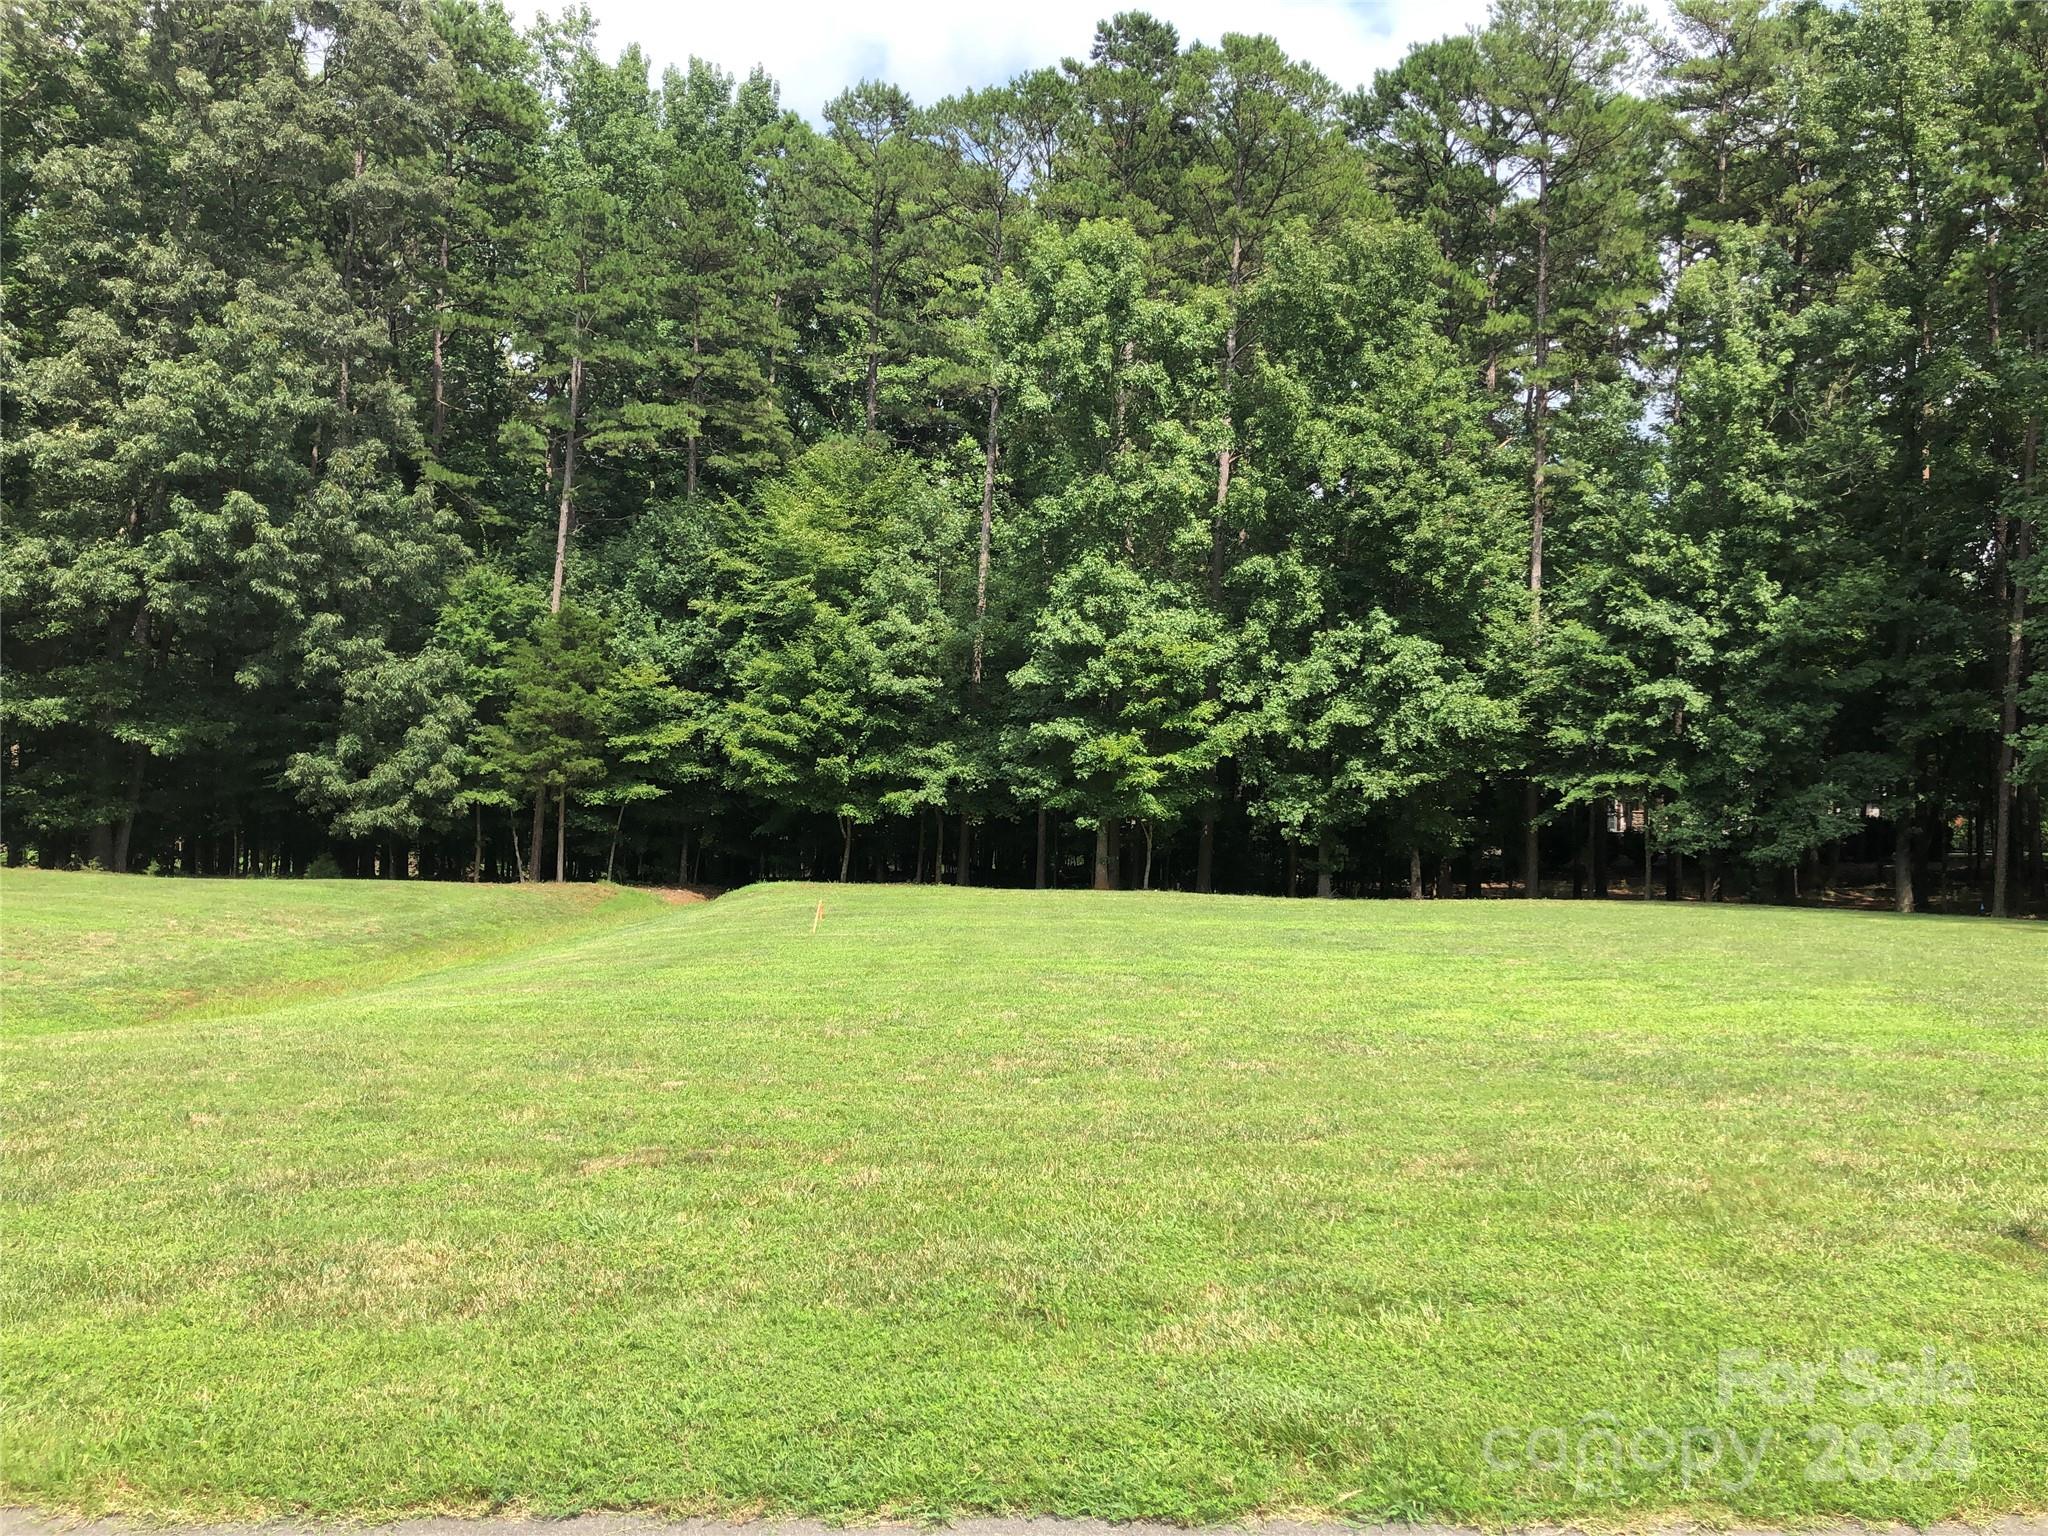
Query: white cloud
816, 48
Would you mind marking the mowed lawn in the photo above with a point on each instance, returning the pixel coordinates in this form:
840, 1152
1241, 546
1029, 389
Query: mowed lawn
82, 949
352, 1199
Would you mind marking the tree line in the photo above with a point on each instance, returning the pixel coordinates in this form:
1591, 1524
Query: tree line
1587, 452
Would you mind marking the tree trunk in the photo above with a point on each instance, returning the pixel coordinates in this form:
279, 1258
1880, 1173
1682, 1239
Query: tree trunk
1649, 852
1531, 855
440, 325
1038, 871
1226, 455
1539, 410
540, 827
988, 521
1324, 887
1539, 389
476, 863
2003, 839
1446, 888
1293, 870
696, 397
874, 394
1414, 873
2037, 854
562, 834
1902, 864
1145, 880
1105, 858
567, 506
845, 847
124, 829
963, 874
1592, 856
611, 859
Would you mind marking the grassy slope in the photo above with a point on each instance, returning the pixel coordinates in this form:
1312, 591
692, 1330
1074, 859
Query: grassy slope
87, 949
1115, 1205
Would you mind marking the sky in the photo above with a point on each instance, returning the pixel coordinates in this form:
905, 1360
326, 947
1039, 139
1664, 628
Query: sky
933, 48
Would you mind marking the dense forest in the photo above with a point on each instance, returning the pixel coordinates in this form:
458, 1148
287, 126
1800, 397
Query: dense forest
1594, 455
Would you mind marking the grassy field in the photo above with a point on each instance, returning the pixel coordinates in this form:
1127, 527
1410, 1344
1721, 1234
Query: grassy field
336, 1198
78, 951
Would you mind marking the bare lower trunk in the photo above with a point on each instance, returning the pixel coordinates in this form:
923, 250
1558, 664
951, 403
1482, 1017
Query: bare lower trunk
1539, 392
1145, 881
567, 505
440, 324
845, 847
562, 835
476, 860
1531, 870
1226, 456
2037, 849
1324, 884
1415, 874
1592, 839
611, 859
1445, 886
124, 829
2003, 839
540, 827
872, 399
1105, 859
1539, 412
696, 386
988, 518
1902, 865
1038, 870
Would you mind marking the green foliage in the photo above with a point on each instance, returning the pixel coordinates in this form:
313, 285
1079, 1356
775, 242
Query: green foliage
837, 637
559, 690
1570, 415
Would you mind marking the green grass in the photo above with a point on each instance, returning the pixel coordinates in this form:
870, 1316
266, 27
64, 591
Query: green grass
1114, 1205
85, 950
